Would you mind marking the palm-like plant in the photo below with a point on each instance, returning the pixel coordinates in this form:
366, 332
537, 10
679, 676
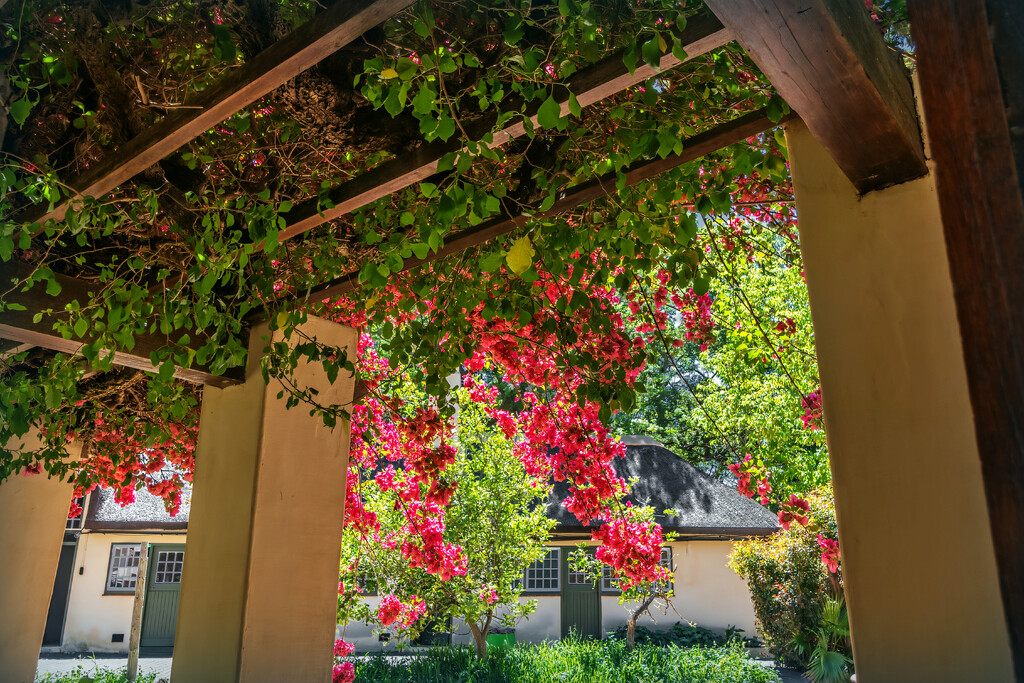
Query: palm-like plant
828, 664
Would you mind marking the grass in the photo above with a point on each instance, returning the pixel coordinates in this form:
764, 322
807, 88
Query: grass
572, 661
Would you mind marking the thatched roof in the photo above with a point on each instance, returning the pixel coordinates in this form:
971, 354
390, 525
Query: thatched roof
147, 512
704, 506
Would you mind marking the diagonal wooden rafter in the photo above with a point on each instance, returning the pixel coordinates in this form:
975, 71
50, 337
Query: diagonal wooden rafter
592, 84
9, 348
18, 326
828, 60
338, 25
694, 148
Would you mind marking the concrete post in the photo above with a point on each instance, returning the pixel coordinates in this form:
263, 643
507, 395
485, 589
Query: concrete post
33, 514
919, 566
259, 584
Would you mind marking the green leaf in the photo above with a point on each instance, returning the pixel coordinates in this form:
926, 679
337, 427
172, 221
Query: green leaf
520, 256
20, 109
423, 103
652, 52
490, 262
513, 32
574, 106
550, 114
445, 127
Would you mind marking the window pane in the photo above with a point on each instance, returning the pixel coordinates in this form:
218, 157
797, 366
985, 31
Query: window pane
168, 566
542, 575
124, 567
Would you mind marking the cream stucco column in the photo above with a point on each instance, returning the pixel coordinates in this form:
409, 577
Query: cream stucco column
259, 589
33, 514
919, 566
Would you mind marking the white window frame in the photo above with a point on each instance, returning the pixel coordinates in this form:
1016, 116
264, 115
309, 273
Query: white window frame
553, 554
120, 566
169, 567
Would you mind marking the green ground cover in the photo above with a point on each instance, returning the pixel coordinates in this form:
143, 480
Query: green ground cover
572, 661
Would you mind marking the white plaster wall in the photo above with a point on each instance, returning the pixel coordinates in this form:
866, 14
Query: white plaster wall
92, 617
707, 593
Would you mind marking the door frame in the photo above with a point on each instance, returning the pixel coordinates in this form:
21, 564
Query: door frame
154, 549
564, 591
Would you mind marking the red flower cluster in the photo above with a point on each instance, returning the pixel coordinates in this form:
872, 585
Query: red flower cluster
812, 410
795, 509
696, 310
392, 610
344, 672
746, 472
632, 549
830, 558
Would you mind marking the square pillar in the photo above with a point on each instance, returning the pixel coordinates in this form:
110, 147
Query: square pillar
260, 579
919, 566
33, 515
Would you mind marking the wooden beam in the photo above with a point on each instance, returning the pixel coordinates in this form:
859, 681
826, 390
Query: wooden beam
341, 23
971, 71
10, 348
592, 84
18, 326
694, 148
828, 60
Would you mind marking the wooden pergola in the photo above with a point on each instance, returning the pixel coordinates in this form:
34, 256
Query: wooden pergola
871, 197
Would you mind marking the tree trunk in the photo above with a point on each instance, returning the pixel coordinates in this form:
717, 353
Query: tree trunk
631, 624
480, 637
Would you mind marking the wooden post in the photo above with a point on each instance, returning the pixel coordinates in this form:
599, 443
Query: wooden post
135, 635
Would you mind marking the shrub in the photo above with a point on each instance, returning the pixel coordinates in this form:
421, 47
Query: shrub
683, 635
95, 676
571, 661
788, 583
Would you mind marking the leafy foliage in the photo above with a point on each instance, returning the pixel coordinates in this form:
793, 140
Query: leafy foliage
681, 635
572, 661
790, 587
496, 516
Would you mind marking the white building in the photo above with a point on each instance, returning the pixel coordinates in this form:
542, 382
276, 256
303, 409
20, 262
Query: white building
91, 606
710, 518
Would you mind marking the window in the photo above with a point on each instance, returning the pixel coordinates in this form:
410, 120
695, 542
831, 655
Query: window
75, 523
168, 566
124, 567
542, 575
366, 582
608, 584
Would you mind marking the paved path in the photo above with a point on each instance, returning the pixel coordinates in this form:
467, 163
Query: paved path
87, 665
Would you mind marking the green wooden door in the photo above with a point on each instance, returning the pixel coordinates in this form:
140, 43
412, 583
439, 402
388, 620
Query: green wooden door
581, 602
163, 589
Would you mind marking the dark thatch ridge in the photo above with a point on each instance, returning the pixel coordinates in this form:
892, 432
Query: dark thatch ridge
665, 481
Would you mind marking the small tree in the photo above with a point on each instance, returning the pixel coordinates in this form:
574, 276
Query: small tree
636, 595
495, 519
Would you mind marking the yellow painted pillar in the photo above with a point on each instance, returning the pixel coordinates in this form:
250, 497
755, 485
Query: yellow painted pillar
918, 561
33, 514
259, 585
